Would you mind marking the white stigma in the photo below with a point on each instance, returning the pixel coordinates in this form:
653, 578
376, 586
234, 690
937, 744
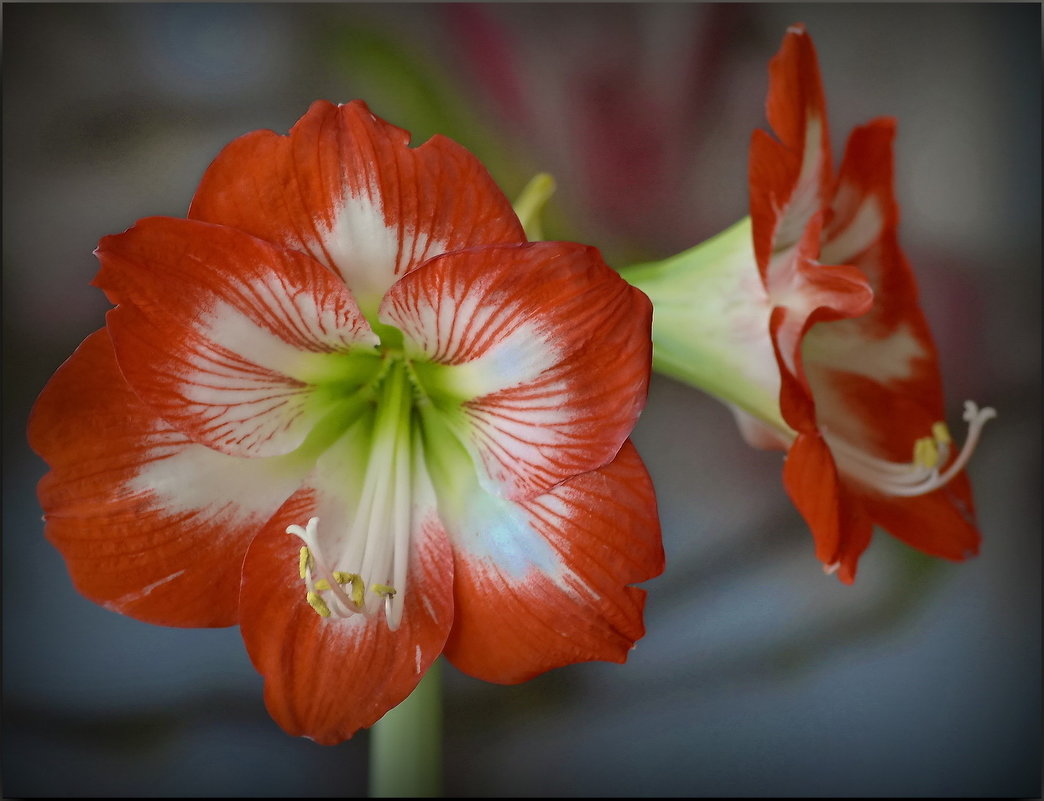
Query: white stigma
924, 472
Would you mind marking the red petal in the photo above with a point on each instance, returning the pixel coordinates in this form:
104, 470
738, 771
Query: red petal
795, 89
876, 377
804, 293
550, 587
345, 187
840, 526
550, 354
221, 333
867, 373
789, 179
325, 678
789, 185
150, 525
863, 205
941, 523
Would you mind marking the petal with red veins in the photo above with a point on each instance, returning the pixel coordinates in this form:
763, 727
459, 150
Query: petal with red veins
345, 187
150, 524
538, 355
226, 336
790, 178
327, 677
544, 582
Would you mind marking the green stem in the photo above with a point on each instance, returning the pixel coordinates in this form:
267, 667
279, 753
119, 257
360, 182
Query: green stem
406, 744
531, 202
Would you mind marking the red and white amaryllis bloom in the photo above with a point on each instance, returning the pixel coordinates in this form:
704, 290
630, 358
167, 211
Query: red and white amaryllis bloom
805, 319
347, 406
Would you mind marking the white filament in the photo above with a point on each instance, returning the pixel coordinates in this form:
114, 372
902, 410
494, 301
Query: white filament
910, 479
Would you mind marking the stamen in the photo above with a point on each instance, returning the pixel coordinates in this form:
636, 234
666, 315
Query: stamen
358, 590
975, 418
926, 453
318, 604
940, 433
388, 593
352, 602
310, 561
922, 474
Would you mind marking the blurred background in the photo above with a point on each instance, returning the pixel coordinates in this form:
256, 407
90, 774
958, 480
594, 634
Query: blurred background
758, 675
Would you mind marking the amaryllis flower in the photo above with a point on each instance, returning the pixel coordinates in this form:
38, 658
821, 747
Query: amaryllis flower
805, 319
347, 406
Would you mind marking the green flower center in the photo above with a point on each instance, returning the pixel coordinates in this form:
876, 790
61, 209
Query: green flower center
386, 420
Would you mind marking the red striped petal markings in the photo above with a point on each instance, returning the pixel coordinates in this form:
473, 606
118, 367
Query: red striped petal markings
346, 406
345, 188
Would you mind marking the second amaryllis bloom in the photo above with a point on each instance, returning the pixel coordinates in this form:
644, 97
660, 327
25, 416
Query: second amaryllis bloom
347, 406
805, 319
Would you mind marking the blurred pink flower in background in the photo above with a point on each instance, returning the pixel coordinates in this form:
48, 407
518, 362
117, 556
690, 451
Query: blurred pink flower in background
629, 114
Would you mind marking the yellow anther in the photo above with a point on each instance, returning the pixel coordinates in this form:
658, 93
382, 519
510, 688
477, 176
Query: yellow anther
341, 577
358, 589
322, 584
931, 454
383, 589
304, 561
926, 453
318, 604
941, 433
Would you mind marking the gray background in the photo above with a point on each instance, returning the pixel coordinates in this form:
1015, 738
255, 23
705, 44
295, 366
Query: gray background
758, 676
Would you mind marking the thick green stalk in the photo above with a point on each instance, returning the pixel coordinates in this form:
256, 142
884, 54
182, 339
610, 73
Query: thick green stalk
406, 744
